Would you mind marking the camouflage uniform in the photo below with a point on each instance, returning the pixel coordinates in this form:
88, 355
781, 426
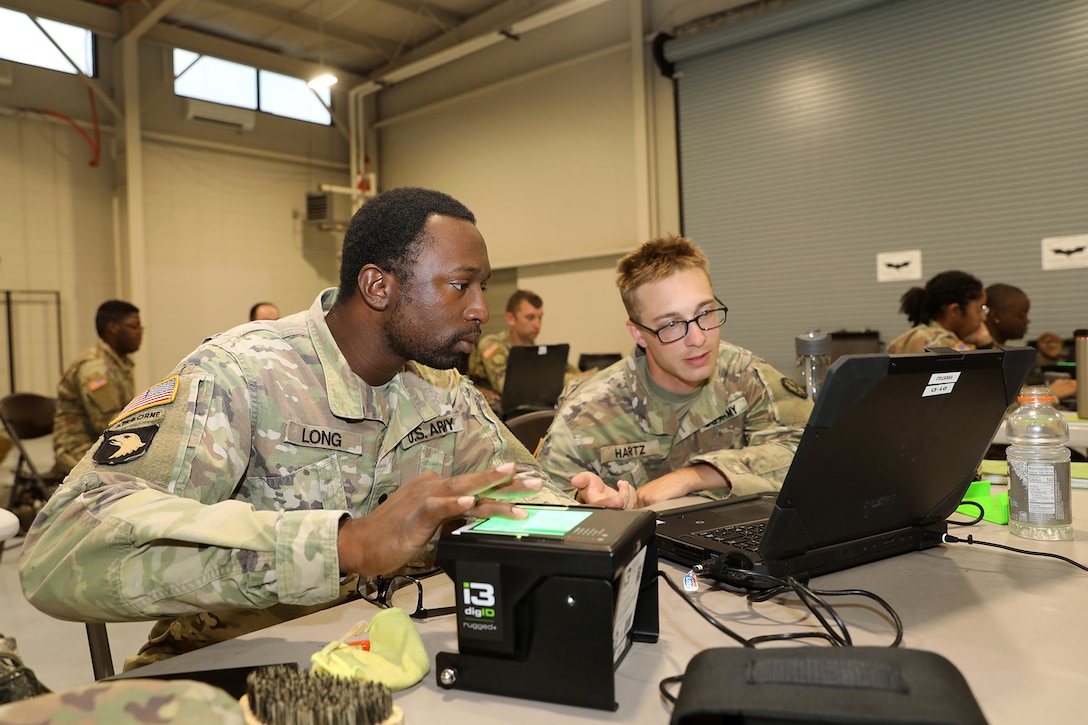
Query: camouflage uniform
487, 364
92, 391
216, 496
919, 337
745, 422
130, 702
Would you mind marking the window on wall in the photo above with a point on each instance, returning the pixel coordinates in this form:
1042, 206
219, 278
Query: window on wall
233, 84
23, 42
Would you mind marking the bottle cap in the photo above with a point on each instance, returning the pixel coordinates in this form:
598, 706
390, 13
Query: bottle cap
1035, 394
813, 343
1080, 333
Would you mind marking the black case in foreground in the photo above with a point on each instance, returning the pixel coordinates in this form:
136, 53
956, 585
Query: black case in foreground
871, 685
550, 618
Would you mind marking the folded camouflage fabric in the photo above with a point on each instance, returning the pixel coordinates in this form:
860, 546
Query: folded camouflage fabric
17, 681
128, 702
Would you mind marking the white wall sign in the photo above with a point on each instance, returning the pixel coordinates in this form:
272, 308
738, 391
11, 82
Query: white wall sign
1065, 252
899, 266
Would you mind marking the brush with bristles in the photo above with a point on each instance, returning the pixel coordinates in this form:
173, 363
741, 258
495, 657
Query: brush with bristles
283, 695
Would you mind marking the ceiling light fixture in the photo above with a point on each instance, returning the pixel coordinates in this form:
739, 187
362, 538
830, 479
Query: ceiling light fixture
323, 81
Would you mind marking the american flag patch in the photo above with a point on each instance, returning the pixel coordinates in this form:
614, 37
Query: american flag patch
158, 394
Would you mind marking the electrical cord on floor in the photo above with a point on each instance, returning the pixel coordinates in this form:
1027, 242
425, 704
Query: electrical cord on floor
765, 588
950, 539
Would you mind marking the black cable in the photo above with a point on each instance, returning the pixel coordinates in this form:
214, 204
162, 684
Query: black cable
811, 598
950, 539
691, 603
665, 694
972, 522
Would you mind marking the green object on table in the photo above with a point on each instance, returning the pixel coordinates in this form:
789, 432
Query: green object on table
995, 507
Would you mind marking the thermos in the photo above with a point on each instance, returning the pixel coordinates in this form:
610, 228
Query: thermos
813, 359
1081, 346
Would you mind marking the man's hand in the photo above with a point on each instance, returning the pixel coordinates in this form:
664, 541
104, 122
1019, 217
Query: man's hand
592, 491
391, 534
681, 482
1050, 345
1063, 388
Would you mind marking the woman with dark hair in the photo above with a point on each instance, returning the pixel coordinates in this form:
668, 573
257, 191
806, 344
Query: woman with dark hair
950, 311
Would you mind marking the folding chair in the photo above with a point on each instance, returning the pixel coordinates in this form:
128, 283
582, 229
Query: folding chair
27, 416
530, 428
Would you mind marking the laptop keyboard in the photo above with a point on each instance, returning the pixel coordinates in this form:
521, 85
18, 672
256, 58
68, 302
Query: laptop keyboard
741, 536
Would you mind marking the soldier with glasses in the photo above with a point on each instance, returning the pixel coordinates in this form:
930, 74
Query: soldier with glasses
685, 412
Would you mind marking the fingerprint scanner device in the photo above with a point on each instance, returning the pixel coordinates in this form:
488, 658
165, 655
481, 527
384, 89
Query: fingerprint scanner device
549, 605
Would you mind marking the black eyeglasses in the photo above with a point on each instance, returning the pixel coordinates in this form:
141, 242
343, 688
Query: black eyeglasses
401, 591
678, 329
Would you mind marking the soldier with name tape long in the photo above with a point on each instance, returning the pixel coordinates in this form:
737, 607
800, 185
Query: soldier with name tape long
685, 412
281, 458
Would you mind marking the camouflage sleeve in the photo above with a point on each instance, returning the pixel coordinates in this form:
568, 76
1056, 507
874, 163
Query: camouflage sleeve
772, 428
493, 359
160, 536
502, 446
560, 454
101, 396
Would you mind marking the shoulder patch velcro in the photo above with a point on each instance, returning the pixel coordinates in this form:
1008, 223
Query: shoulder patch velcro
792, 386
99, 382
122, 446
162, 393
490, 350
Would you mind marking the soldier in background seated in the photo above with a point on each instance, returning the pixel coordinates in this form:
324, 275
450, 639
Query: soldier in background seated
487, 365
1008, 320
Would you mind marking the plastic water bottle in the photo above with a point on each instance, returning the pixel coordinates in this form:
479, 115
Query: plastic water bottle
813, 359
1039, 483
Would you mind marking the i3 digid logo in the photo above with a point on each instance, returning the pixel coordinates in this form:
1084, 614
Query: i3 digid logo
479, 599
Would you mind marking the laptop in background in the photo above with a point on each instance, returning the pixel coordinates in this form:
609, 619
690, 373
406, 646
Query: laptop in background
890, 448
534, 377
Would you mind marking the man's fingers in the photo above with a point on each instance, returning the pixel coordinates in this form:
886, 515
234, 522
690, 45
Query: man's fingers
485, 508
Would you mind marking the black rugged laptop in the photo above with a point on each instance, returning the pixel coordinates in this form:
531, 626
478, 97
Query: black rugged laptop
890, 448
534, 377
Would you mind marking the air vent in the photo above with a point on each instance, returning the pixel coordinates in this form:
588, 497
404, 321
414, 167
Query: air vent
240, 119
328, 207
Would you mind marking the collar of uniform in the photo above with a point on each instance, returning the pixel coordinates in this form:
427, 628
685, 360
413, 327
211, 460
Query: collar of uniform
659, 418
350, 397
122, 361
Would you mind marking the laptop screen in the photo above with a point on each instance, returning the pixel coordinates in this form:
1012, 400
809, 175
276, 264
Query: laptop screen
534, 376
893, 442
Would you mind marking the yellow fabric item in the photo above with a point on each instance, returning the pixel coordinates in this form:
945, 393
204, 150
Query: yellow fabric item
397, 657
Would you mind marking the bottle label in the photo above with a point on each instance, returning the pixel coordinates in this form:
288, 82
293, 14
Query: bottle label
1039, 493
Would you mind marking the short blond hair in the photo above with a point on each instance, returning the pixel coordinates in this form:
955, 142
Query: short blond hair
655, 260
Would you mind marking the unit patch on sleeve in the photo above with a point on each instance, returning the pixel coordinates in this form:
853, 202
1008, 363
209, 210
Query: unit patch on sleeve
158, 394
625, 451
433, 429
794, 387
122, 446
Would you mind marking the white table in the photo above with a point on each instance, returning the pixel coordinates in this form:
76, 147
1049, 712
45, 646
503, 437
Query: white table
1009, 622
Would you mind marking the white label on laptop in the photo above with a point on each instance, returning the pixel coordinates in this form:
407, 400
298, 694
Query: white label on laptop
940, 384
